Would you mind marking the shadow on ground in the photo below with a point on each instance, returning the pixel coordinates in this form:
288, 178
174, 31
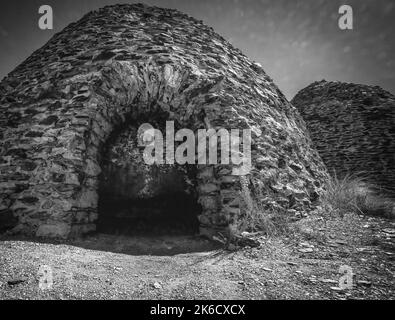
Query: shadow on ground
164, 245
146, 245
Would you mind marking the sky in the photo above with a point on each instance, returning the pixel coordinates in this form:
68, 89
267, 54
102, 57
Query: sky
296, 41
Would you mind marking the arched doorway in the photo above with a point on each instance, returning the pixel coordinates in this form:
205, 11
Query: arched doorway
136, 198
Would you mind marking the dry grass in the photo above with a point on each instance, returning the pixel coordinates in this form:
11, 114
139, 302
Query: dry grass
259, 221
353, 193
256, 219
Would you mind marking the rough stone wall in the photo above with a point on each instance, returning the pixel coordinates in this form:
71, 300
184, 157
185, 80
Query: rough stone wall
353, 129
121, 63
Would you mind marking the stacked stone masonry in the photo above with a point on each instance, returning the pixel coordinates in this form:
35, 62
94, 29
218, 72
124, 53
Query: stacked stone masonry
114, 67
353, 128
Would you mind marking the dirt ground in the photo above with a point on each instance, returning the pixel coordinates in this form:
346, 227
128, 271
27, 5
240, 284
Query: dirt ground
301, 263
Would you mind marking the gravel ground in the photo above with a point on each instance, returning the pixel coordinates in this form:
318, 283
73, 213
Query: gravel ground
301, 263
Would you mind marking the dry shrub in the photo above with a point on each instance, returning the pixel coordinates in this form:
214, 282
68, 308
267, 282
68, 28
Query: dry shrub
255, 218
268, 223
353, 193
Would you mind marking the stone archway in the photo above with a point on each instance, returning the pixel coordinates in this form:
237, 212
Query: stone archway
115, 100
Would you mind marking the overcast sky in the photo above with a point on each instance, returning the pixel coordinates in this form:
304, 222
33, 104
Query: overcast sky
296, 41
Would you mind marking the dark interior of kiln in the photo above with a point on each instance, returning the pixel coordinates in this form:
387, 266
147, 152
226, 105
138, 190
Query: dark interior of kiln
140, 199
